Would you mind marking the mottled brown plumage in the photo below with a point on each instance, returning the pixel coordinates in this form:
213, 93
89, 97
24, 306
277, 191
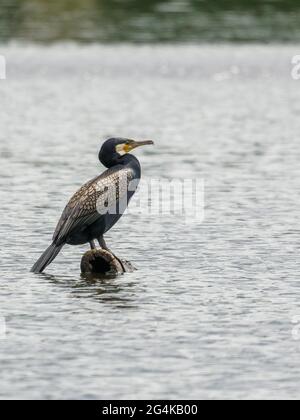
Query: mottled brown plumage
92, 200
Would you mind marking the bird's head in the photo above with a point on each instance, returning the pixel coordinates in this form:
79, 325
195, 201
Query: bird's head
114, 148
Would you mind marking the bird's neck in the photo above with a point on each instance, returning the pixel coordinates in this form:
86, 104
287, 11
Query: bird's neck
116, 159
129, 159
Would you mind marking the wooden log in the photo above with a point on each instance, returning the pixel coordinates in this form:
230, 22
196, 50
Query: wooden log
99, 261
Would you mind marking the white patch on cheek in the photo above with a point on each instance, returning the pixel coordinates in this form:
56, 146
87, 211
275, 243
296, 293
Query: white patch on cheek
120, 149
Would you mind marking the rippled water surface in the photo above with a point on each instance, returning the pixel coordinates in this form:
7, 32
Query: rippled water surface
210, 311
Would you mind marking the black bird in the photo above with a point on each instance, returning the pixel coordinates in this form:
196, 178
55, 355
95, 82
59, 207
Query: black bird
99, 203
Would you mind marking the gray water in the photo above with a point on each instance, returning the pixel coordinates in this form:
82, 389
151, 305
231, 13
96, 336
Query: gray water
210, 311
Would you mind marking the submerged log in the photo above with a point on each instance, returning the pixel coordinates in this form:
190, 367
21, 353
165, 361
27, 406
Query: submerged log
99, 261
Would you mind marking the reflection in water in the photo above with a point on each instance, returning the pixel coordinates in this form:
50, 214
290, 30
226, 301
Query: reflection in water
111, 289
149, 21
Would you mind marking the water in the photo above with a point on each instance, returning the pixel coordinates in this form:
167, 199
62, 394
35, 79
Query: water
138, 21
209, 312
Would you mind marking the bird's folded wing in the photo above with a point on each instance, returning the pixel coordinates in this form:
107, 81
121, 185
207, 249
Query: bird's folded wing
92, 201
74, 219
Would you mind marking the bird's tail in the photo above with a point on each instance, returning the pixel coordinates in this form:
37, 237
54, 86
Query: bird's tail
46, 258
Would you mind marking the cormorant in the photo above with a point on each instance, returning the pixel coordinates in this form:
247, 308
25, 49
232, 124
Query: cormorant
99, 203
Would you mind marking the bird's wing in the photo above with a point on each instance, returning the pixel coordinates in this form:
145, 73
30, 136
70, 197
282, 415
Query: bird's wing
93, 200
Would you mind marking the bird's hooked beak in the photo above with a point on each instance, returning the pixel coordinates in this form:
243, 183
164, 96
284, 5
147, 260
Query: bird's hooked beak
132, 144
